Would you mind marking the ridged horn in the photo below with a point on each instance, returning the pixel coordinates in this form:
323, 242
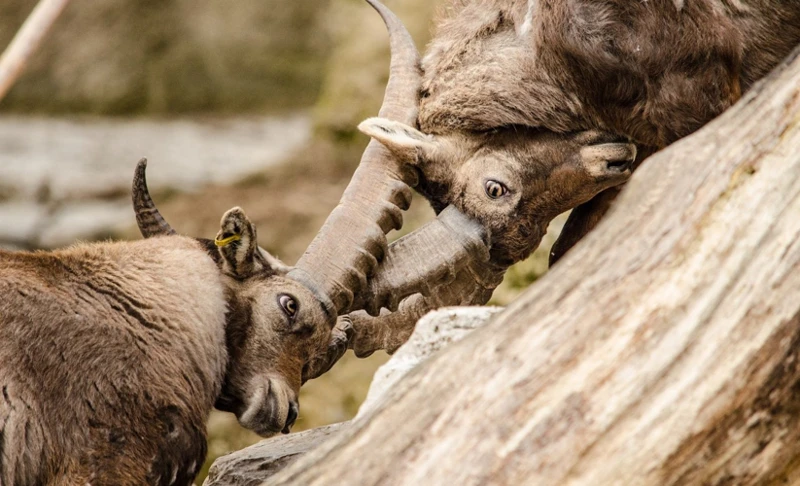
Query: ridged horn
353, 239
428, 257
148, 218
472, 285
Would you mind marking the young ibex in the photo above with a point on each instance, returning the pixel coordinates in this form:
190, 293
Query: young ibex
509, 85
113, 354
510, 88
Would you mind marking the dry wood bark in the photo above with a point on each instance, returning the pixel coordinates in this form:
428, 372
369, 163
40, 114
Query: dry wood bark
250, 466
663, 349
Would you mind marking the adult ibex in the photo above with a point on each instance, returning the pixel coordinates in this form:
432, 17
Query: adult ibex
112, 354
509, 88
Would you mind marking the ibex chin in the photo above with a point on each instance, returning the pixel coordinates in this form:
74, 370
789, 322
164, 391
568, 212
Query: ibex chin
530, 107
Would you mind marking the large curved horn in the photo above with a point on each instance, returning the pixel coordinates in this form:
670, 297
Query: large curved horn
353, 239
424, 259
149, 220
473, 285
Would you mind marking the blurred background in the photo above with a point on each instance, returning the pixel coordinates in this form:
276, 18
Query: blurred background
249, 102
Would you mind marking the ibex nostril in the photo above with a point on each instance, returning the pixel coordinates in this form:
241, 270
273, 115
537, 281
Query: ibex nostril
619, 165
291, 417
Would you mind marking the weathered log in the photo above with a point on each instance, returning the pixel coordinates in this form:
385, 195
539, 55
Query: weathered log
663, 349
251, 465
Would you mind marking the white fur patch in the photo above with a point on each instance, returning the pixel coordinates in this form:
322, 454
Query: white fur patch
528, 23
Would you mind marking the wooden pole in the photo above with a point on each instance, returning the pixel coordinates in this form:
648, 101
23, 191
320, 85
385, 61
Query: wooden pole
27, 40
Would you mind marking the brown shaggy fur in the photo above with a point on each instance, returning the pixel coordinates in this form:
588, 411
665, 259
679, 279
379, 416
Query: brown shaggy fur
651, 70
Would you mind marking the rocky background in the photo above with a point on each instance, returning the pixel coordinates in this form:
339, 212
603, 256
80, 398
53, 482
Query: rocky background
251, 103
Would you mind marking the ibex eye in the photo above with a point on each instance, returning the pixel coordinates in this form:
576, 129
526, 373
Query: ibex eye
288, 304
495, 189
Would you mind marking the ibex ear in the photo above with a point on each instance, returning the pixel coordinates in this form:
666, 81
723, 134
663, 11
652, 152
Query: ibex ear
406, 142
237, 243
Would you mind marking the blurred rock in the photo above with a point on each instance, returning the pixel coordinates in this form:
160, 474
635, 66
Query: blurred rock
21, 222
86, 220
85, 158
66, 179
438, 329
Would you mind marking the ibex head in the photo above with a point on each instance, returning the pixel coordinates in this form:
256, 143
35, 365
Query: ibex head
276, 326
283, 325
278, 331
514, 180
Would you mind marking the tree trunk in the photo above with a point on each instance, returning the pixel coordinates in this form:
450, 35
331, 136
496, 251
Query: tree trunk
663, 349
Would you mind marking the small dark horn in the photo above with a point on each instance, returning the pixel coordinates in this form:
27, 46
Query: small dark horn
150, 221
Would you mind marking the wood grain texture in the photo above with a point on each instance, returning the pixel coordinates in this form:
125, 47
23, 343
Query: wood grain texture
252, 465
661, 350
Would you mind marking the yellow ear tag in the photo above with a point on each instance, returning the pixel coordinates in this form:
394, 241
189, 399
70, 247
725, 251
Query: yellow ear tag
227, 241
